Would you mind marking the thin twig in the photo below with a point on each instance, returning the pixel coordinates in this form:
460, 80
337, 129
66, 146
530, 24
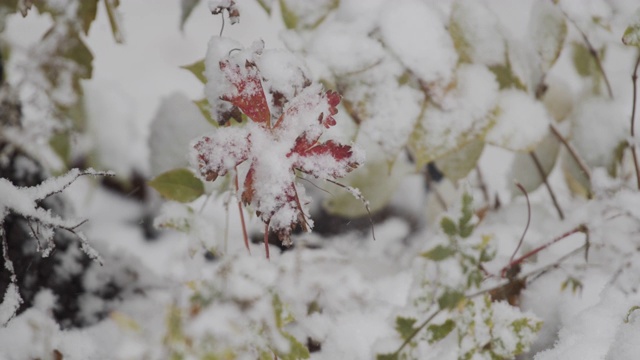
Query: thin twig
356, 193
222, 27
536, 161
593, 53
483, 185
634, 79
577, 229
244, 226
528, 221
572, 151
416, 331
266, 240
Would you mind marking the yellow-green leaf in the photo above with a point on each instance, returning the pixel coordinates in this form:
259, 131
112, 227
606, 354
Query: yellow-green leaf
179, 185
547, 31
450, 299
439, 253
87, 13
440, 331
114, 19
631, 35
405, 327
448, 226
458, 164
197, 69
376, 184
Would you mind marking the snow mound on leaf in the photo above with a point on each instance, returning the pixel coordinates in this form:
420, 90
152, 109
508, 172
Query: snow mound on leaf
521, 122
177, 121
417, 35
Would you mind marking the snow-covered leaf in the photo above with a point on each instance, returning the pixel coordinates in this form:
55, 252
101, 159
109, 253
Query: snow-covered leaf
521, 122
547, 31
476, 34
463, 118
179, 185
414, 18
305, 15
176, 122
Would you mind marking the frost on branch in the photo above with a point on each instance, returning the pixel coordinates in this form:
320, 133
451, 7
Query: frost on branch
26, 202
281, 137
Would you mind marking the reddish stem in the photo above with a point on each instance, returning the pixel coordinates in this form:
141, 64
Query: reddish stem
580, 228
266, 240
244, 226
526, 195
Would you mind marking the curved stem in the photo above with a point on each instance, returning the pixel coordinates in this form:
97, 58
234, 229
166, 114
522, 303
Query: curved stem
634, 80
528, 221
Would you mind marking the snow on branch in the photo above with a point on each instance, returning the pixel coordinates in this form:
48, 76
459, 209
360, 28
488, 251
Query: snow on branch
24, 201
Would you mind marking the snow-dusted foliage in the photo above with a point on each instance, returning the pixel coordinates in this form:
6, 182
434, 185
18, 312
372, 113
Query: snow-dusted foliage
490, 144
282, 136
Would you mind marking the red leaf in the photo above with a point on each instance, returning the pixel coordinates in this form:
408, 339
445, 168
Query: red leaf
249, 96
249, 191
342, 155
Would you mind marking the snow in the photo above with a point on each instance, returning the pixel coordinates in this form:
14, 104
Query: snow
399, 27
343, 291
520, 122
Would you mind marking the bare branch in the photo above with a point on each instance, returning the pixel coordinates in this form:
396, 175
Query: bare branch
536, 161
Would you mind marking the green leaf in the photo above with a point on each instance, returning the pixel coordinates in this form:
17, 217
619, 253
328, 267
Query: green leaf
87, 11
583, 61
467, 209
631, 35
197, 69
448, 226
631, 310
114, 19
186, 7
450, 299
61, 145
378, 193
506, 77
439, 253
393, 356
576, 285
471, 45
547, 31
404, 326
266, 5
458, 164
180, 185
289, 18
439, 332
296, 349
